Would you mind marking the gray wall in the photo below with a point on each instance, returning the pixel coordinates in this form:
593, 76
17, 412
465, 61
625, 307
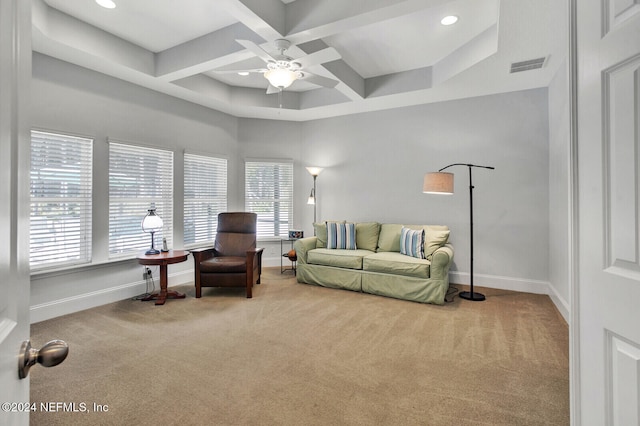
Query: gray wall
67, 98
374, 165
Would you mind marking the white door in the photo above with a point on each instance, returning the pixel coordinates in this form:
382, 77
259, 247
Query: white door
15, 76
608, 358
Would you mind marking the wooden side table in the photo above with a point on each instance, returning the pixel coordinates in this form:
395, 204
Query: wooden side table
163, 260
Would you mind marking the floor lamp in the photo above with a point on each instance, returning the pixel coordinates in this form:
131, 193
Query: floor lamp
314, 171
442, 183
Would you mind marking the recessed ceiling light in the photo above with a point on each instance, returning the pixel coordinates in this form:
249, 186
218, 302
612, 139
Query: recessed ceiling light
243, 73
449, 20
107, 4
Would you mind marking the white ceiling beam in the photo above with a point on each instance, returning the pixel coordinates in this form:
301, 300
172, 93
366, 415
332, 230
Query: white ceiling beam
479, 48
219, 49
205, 53
59, 35
351, 83
392, 84
311, 19
265, 17
204, 88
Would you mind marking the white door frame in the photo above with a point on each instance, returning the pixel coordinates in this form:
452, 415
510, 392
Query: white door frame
574, 287
15, 143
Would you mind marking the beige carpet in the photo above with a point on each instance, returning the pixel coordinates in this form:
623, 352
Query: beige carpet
297, 354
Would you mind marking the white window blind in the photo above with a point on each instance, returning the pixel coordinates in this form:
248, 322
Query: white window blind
205, 195
269, 193
139, 177
60, 219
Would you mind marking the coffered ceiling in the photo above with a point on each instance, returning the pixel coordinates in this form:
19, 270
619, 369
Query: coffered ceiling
393, 53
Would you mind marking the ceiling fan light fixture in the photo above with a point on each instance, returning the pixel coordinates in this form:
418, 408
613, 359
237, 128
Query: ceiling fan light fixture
243, 73
281, 78
107, 4
449, 20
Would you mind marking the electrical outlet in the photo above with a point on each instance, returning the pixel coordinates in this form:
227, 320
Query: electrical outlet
146, 274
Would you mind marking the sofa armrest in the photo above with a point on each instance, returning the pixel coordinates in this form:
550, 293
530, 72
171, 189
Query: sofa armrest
441, 261
302, 247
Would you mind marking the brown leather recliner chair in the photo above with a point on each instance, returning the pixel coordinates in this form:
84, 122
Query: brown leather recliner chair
234, 260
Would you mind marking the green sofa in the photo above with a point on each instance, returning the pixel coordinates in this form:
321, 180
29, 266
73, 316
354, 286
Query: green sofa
376, 265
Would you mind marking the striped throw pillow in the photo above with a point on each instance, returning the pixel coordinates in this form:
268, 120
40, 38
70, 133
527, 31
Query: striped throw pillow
341, 235
412, 242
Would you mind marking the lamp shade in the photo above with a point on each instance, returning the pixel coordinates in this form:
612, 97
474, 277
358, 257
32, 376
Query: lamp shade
314, 171
312, 198
151, 222
280, 78
438, 183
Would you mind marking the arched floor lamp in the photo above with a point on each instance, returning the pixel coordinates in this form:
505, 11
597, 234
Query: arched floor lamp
442, 183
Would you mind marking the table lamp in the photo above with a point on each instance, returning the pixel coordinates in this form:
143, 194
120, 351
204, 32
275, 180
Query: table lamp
151, 224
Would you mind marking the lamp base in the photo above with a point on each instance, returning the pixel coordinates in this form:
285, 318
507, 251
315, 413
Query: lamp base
467, 295
152, 251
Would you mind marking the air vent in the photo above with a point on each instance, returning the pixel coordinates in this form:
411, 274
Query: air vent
531, 64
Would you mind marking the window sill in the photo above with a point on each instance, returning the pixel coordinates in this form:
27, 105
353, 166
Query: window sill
73, 269
271, 239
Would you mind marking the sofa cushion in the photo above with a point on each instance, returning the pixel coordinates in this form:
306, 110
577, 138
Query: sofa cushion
397, 264
435, 236
389, 239
351, 259
367, 234
341, 236
434, 239
412, 242
223, 264
320, 229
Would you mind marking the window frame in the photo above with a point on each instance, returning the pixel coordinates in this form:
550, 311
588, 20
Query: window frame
218, 167
281, 195
54, 151
131, 195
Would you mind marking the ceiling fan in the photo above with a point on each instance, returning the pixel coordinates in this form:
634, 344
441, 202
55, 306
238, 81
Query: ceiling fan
282, 70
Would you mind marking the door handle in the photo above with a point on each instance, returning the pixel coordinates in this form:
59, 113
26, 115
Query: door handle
50, 355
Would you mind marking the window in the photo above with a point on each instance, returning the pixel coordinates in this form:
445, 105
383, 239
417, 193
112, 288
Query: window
60, 219
269, 193
205, 195
139, 177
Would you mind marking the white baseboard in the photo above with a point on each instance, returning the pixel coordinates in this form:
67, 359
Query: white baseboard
272, 262
56, 308
500, 282
561, 304
69, 305
514, 284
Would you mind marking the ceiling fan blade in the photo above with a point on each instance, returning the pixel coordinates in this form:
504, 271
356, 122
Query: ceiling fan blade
319, 80
271, 90
256, 50
256, 70
320, 57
